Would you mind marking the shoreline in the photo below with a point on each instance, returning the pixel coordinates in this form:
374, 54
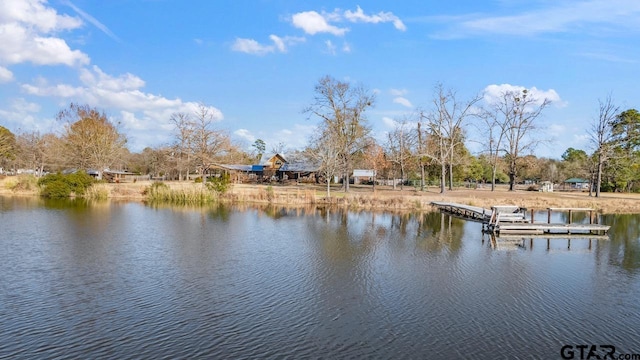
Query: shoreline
363, 197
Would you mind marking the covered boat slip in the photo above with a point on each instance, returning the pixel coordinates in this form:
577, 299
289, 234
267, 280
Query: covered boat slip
513, 220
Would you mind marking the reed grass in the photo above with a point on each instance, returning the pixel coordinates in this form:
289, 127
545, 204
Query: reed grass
161, 193
23, 183
385, 199
271, 195
98, 191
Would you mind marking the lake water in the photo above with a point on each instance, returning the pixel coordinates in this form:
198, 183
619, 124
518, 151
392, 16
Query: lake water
125, 280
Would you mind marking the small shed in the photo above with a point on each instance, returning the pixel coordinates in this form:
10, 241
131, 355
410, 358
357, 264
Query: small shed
360, 175
546, 186
114, 176
576, 184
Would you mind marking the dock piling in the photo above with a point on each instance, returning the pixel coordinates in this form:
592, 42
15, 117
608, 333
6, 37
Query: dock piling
509, 219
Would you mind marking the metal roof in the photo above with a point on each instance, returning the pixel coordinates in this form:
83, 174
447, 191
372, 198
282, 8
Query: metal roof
235, 167
299, 167
576, 181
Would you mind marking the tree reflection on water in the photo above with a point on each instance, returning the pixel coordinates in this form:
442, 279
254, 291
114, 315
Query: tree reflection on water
625, 240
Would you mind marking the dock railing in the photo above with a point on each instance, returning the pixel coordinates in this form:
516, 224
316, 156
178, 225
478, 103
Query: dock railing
516, 222
512, 219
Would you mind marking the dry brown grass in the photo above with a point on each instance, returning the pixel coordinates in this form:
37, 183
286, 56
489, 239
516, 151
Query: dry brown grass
386, 198
362, 197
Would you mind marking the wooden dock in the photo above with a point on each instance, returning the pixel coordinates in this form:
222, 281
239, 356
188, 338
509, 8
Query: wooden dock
466, 212
513, 220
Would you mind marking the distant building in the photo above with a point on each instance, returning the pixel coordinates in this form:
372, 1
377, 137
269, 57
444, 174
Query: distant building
360, 176
546, 186
575, 184
274, 168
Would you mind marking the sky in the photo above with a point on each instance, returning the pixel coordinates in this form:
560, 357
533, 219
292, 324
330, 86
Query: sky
255, 63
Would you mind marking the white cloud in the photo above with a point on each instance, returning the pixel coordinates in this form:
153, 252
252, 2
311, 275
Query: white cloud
346, 47
34, 14
593, 15
556, 128
250, 46
41, 87
5, 75
493, 93
98, 79
23, 106
295, 138
312, 23
389, 122
92, 20
398, 92
280, 44
139, 112
27, 29
283, 43
245, 134
582, 140
331, 49
22, 115
381, 17
615, 58
403, 101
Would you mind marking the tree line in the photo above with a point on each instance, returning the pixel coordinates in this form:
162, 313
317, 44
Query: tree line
426, 148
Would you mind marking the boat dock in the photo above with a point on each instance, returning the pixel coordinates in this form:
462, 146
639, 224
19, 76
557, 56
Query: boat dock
466, 212
513, 220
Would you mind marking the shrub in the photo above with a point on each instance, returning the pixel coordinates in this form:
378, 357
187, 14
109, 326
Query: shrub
219, 184
56, 189
607, 187
80, 182
155, 188
59, 185
270, 193
158, 185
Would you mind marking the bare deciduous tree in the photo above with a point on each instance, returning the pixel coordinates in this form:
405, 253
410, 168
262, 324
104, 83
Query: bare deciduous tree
208, 142
341, 108
32, 150
400, 148
375, 159
445, 127
601, 136
494, 137
279, 148
516, 114
183, 147
327, 153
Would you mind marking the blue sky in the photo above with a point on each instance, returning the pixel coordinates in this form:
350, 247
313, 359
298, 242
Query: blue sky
255, 63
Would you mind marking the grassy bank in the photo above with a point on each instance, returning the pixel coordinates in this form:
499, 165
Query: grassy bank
360, 197
386, 198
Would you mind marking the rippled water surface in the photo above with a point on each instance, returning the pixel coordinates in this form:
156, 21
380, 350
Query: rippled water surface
123, 280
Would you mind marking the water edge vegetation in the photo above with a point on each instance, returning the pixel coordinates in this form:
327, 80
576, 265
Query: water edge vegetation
360, 197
